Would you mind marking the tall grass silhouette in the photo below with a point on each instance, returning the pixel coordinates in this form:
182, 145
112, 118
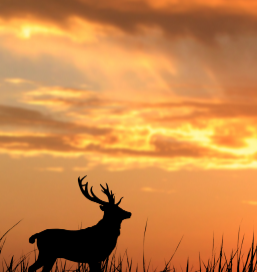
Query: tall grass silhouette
221, 263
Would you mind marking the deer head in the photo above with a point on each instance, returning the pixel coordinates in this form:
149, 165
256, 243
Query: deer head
111, 210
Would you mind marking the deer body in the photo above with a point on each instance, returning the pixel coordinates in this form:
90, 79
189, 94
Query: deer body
78, 245
91, 245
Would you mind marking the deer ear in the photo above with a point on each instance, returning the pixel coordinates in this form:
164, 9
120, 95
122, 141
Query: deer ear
102, 207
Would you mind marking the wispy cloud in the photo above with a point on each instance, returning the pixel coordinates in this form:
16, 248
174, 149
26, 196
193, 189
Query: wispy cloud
51, 169
17, 81
80, 169
153, 190
250, 202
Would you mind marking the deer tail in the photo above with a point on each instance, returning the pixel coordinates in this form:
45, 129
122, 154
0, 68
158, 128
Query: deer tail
32, 238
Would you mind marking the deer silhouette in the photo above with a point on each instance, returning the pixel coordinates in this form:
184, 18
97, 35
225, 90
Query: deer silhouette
91, 245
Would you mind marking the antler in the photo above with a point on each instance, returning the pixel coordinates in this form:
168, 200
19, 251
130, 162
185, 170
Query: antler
109, 194
118, 202
94, 198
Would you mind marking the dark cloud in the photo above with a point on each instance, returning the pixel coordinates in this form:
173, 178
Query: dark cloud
20, 117
232, 134
64, 137
162, 147
202, 111
198, 21
170, 147
50, 143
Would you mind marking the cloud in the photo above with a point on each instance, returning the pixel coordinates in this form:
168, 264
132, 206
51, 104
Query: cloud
80, 169
168, 154
201, 21
121, 134
21, 117
172, 147
172, 102
68, 97
191, 111
71, 146
174, 109
250, 202
233, 134
152, 190
51, 169
17, 81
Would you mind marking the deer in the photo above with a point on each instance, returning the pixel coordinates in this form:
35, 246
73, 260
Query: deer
91, 245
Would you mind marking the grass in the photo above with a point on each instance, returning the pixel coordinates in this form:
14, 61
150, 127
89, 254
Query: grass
221, 263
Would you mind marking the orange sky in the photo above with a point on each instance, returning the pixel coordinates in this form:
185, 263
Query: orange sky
157, 98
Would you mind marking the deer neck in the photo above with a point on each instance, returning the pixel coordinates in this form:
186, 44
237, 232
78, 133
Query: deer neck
112, 226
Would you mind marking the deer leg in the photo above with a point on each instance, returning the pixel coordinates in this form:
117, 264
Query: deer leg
48, 264
38, 263
95, 267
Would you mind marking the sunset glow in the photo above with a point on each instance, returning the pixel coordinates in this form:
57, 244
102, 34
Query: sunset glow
156, 98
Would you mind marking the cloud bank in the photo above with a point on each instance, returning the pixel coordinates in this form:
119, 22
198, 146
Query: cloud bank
130, 84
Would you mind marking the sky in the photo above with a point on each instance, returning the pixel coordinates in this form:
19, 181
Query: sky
156, 98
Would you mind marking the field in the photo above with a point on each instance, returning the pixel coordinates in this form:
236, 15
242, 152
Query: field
236, 261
